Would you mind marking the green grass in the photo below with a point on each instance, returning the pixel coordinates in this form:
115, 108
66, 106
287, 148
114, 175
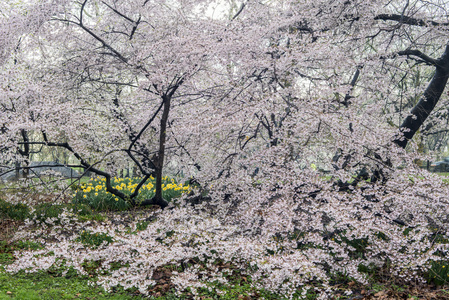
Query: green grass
54, 284
7, 249
13, 211
42, 286
63, 283
239, 289
94, 240
48, 284
45, 211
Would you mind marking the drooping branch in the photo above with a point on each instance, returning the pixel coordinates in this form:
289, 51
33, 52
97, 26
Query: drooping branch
107, 176
88, 166
428, 101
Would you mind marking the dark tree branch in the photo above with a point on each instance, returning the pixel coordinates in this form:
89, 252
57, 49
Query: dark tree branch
117, 12
251, 137
26, 143
103, 42
196, 165
88, 166
146, 126
138, 164
308, 76
136, 23
408, 20
136, 190
134, 28
160, 161
143, 149
435, 132
106, 175
429, 60
352, 85
239, 11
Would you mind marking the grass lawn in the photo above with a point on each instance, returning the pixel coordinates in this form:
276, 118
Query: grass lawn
42, 285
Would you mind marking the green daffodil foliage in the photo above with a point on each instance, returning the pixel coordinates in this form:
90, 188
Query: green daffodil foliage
94, 193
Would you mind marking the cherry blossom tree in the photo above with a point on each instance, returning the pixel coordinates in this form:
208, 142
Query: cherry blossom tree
298, 120
107, 54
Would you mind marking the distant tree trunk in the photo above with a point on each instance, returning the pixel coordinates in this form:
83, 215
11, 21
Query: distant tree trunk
135, 171
17, 170
25, 152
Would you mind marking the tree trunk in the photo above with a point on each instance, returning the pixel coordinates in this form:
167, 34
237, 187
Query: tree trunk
25, 152
427, 103
160, 161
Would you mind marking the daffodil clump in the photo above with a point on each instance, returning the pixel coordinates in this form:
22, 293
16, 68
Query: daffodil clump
95, 195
